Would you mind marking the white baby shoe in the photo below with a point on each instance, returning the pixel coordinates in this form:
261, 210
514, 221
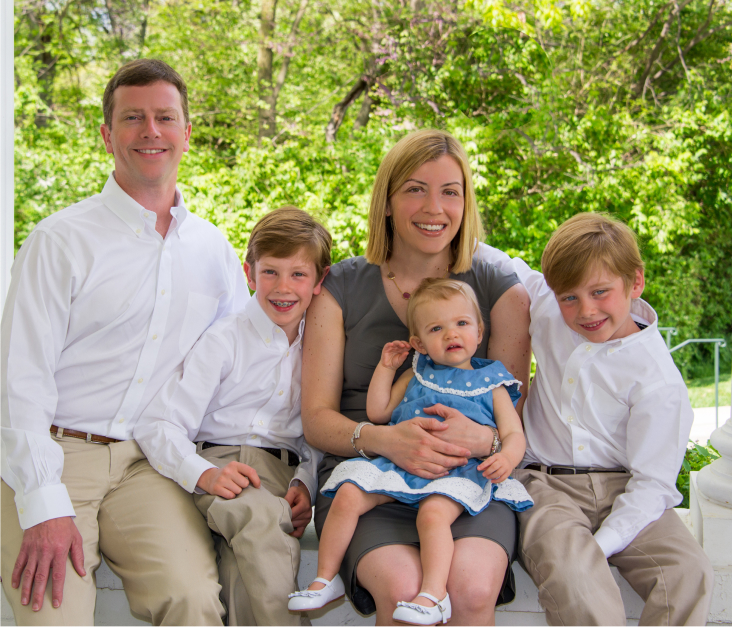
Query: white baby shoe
416, 614
305, 600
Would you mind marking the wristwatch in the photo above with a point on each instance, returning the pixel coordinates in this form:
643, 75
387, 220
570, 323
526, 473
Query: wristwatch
356, 435
496, 446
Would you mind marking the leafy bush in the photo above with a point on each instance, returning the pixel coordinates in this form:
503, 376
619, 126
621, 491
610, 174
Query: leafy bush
696, 457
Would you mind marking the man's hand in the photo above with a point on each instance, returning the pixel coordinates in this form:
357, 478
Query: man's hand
44, 549
497, 468
298, 496
228, 481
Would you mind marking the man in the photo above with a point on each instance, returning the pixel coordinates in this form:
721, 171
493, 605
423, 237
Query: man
107, 297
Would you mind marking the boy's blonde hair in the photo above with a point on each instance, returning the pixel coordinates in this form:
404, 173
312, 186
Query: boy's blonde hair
409, 154
586, 242
431, 290
284, 231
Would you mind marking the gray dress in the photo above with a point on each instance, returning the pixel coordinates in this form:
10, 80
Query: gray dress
370, 322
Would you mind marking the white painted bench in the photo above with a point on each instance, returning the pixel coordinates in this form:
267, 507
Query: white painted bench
112, 607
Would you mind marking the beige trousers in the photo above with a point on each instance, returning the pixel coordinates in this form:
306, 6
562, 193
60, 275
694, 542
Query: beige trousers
146, 526
258, 561
664, 564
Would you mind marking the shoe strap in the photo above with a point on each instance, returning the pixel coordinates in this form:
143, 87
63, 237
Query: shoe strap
436, 601
325, 582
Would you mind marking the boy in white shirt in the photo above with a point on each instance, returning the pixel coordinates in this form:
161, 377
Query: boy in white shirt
607, 422
238, 398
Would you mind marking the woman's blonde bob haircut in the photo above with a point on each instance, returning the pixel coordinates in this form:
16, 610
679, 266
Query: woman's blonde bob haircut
588, 242
409, 154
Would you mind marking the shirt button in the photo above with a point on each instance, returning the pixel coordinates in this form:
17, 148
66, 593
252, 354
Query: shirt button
162, 292
139, 380
21, 510
254, 437
261, 422
570, 418
612, 350
185, 483
280, 393
580, 448
277, 330
267, 340
287, 354
155, 337
160, 467
588, 348
121, 420
138, 231
147, 215
570, 380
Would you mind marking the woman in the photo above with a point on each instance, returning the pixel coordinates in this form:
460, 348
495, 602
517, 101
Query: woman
423, 222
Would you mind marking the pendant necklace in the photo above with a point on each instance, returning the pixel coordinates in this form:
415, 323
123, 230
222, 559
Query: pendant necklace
407, 295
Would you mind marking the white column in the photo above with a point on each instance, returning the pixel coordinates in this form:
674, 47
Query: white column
7, 85
715, 480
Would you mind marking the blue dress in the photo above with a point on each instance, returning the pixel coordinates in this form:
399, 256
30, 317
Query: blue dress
468, 391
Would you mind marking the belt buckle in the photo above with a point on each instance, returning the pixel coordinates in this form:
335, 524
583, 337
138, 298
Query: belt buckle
565, 468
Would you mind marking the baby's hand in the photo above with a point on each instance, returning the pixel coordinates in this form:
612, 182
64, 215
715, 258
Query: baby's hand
394, 354
497, 468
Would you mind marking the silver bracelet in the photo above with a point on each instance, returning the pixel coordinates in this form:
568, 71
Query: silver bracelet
356, 435
496, 446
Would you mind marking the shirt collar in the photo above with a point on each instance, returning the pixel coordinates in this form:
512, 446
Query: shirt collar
641, 312
265, 328
133, 214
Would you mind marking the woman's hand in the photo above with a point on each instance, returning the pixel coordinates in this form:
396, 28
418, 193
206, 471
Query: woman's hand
462, 431
394, 354
412, 445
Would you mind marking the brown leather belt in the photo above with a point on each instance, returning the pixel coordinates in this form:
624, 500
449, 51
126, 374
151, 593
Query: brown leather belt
60, 432
292, 459
570, 470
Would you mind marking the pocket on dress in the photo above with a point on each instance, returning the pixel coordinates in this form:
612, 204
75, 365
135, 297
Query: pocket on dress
200, 313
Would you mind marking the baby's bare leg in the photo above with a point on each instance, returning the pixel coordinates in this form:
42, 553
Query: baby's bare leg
349, 504
436, 514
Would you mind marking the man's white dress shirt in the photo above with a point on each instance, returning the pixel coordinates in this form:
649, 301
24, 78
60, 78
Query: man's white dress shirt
101, 310
620, 403
240, 385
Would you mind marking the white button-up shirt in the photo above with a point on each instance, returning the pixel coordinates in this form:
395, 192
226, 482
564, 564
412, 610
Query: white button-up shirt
620, 403
240, 385
101, 310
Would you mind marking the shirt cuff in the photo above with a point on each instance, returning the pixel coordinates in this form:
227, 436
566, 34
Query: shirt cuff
609, 540
308, 481
190, 472
43, 504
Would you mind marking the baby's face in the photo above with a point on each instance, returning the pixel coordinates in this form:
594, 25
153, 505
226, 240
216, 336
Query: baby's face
448, 331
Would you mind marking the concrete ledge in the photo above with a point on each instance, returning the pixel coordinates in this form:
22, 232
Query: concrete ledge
112, 607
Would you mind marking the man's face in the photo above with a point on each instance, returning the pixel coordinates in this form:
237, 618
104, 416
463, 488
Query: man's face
148, 136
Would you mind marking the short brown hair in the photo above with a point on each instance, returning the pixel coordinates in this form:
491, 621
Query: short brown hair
143, 72
409, 154
432, 289
586, 242
284, 231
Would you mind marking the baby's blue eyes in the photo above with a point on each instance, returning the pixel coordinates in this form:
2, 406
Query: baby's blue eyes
462, 323
435, 329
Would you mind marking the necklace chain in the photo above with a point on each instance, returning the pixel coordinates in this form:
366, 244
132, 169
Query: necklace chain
407, 295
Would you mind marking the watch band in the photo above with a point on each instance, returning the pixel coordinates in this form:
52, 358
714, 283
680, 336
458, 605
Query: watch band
356, 435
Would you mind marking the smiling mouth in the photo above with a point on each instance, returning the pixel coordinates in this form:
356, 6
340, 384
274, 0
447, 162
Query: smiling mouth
432, 228
150, 151
283, 305
592, 326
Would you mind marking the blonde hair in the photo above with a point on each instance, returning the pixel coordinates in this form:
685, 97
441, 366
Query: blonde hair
588, 241
431, 290
409, 154
284, 231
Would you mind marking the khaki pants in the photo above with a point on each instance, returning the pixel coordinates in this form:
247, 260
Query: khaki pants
664, 564
146, 526
258, 561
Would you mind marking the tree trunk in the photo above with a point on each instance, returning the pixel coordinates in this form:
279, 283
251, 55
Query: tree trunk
339, 111
363, 115
268, 103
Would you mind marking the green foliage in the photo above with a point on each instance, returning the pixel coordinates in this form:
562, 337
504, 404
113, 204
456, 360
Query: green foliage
562, 107
696, 457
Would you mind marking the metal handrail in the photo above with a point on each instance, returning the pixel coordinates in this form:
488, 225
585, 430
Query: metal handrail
718, 343
668, 332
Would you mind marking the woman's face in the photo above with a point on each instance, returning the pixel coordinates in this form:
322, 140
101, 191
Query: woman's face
427, 209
